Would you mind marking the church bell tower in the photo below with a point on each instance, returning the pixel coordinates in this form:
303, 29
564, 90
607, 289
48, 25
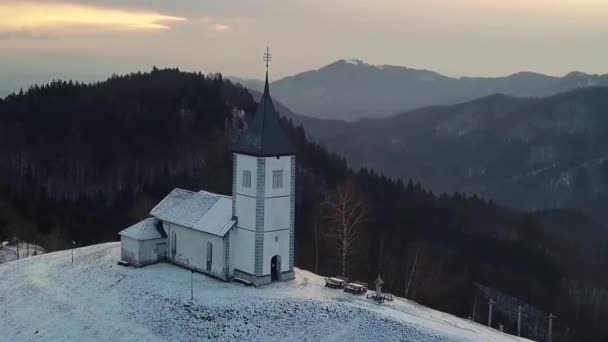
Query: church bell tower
263, 197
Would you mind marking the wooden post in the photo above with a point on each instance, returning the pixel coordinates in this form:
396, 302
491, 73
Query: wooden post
519, 310
550, 333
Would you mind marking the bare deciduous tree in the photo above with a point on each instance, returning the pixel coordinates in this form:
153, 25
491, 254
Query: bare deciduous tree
347, 210
408, 282
317, 222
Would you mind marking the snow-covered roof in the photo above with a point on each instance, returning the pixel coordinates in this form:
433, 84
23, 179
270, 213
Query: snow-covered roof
145, 230
264, 136
203, 211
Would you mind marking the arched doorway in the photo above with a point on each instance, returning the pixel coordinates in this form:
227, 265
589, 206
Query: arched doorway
275, 267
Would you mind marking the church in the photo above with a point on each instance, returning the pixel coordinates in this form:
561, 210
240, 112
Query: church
249, 236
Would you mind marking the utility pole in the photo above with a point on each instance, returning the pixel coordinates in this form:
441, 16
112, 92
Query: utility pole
519, 310
490, 303
550, 334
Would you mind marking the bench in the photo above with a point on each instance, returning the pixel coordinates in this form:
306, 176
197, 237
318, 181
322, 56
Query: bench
357, 287
335, 282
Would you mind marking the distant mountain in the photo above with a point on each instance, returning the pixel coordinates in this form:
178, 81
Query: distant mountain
528, 153
352, 89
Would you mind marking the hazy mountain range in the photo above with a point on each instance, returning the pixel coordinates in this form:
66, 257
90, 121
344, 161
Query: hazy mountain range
543, 146
528, 153
352, 89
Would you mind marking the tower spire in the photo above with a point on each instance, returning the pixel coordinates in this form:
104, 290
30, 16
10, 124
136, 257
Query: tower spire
267, 59
264, 135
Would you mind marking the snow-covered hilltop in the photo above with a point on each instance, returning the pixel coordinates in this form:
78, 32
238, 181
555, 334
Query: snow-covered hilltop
47, 298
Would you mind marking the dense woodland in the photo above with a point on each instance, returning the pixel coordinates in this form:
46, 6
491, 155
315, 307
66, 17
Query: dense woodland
82, 162
526, 153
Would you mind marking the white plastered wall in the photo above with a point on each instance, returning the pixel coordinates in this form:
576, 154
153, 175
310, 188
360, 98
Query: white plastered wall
191, 249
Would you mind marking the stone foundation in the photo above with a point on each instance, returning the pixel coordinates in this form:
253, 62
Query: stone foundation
263, 280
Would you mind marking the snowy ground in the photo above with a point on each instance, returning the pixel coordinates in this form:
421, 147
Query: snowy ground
47, 298
9, 252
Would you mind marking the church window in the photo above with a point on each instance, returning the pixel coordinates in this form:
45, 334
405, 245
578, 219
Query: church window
209, 256
277, 179
246, 179
173, 243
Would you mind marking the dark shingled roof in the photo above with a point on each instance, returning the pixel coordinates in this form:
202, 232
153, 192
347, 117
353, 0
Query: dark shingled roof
264, 136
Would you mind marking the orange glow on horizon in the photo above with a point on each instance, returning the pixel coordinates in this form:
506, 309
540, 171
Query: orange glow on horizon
21, 16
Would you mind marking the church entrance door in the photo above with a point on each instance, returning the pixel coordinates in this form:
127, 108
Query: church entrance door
275, 267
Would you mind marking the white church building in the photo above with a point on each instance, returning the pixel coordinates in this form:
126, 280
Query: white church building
249, 235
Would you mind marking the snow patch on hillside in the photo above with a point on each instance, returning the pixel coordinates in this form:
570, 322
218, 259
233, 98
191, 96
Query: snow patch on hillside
46, 298
355, 61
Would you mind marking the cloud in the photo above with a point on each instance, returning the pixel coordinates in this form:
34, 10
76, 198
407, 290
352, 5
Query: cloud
221, 27
220, 24
29, 16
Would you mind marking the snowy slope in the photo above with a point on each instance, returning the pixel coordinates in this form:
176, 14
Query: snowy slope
46, 298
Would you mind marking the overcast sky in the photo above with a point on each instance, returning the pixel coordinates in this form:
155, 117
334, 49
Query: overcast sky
455, 37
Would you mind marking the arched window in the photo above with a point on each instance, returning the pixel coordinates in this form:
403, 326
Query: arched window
209, 256
173, 243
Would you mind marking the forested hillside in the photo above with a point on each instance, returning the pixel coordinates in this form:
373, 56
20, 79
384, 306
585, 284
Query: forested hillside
81, 162
529, 154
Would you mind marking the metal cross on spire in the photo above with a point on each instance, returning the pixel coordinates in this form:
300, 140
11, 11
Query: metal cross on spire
267, 57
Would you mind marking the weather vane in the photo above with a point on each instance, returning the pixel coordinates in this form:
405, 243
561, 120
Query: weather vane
267, 57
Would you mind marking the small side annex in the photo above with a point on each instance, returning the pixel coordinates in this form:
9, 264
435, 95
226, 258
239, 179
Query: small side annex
143, 243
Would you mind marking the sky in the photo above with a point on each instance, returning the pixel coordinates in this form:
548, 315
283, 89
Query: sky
95, 38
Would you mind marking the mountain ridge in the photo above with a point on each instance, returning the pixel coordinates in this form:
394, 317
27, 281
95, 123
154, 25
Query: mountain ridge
350, 90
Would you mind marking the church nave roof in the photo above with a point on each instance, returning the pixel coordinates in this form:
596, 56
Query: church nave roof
203, 211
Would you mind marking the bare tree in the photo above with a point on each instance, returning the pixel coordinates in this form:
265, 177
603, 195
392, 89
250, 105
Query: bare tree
317, 217
408, 283
347, 211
